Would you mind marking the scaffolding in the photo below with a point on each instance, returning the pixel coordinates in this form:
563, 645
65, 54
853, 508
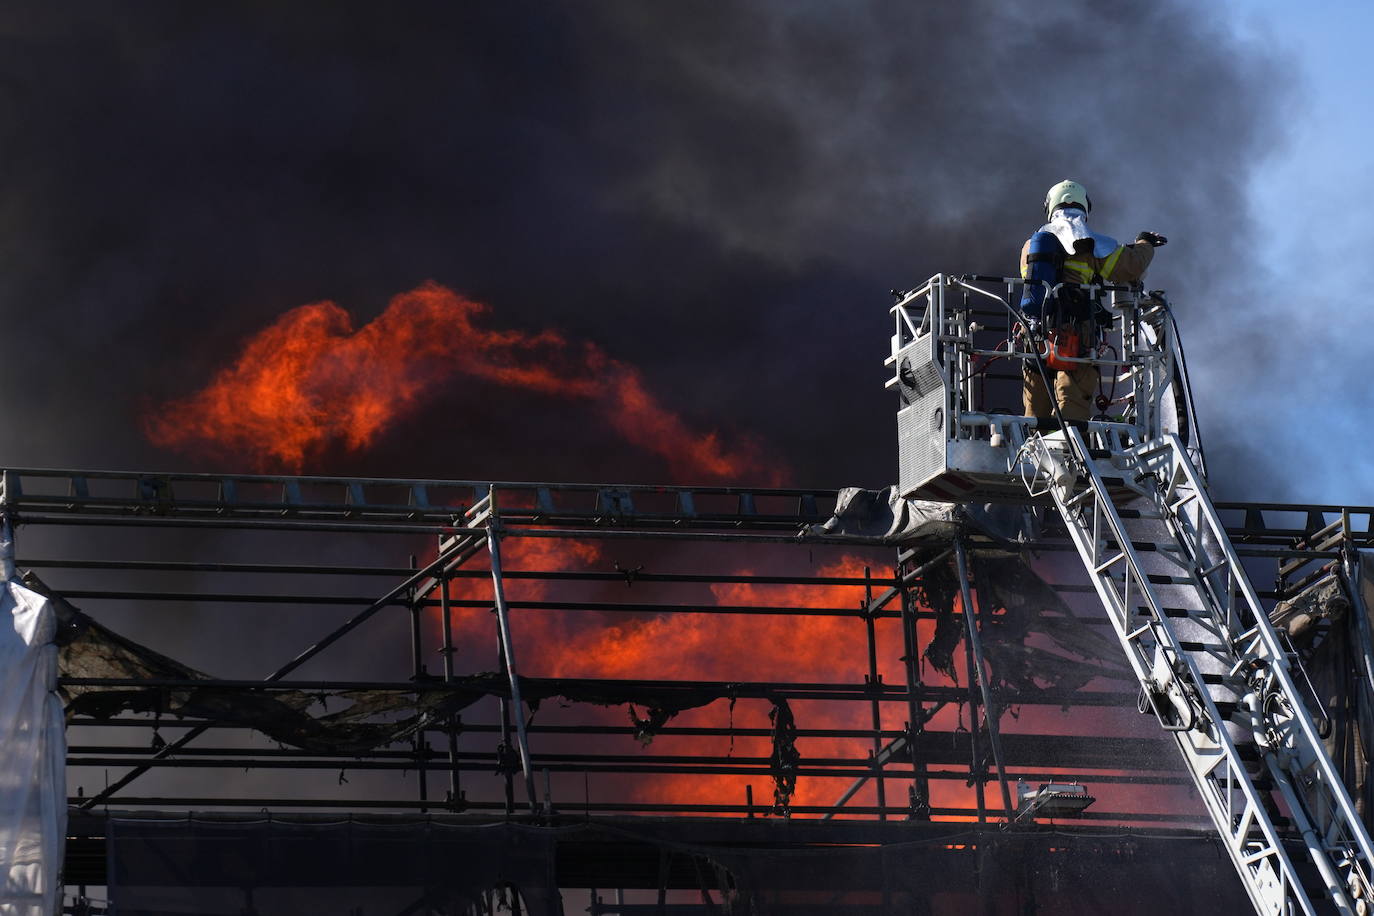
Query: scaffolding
674, 699
429, 588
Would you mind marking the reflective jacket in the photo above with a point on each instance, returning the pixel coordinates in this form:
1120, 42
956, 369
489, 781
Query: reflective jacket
1098, 259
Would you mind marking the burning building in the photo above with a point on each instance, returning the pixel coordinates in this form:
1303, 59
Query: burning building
457, 696
721, 702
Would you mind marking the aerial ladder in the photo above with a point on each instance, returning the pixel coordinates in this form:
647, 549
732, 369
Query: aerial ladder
1129, 489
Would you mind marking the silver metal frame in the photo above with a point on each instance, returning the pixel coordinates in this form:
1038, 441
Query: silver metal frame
1160, 560
1209, 643
948, 323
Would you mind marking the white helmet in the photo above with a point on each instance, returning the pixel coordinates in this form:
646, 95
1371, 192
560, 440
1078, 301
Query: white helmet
1067, 194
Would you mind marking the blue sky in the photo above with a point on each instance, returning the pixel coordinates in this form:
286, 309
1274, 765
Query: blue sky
1313, 194
1309, 406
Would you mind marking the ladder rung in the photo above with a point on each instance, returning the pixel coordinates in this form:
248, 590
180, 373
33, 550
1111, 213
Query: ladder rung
1073, 501
1220, 564
1144, 611
1107, 564
1166, 549
1137, 632
1182, 501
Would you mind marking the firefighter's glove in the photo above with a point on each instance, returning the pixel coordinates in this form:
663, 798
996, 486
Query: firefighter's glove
1154, 238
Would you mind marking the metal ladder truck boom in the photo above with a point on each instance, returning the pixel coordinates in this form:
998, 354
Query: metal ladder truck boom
1212, 668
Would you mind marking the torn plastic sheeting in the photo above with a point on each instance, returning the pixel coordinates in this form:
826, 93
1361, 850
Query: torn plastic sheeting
1032, 606
275, 867
363, 719
90, 650
200, 866
1075, 655
937, 590
315, 721
33, 748
882, 515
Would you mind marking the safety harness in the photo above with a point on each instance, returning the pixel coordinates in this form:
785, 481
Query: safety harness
1069, 322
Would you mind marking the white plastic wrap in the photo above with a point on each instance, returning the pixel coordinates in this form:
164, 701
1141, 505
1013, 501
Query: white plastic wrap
33, 748
882, 515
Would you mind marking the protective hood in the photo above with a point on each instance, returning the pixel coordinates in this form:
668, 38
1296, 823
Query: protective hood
1070, 225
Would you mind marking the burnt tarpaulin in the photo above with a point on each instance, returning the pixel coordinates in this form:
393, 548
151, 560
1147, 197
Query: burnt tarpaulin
938, 589
344, 720
1032, 640
990, 873
33, 783
348, 721
315, 720
217, 865
940, 870
277, 867
884, 516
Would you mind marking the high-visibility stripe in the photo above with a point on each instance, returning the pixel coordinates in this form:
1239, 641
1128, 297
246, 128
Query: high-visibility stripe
1081, 272
1110, 264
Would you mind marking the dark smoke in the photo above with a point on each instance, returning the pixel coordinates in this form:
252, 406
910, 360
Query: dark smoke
719, 193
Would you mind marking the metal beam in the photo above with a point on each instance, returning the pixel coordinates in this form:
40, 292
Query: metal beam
991, 711
508, 651
459, 552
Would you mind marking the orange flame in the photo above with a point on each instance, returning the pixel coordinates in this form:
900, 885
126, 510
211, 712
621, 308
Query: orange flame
311, 380
703, 646
733, 648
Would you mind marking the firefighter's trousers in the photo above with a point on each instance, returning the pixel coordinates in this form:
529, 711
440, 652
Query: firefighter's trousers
1074, 391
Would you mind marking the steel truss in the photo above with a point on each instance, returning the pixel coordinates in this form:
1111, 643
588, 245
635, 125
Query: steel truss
918, 755
1221, 679
1203, 647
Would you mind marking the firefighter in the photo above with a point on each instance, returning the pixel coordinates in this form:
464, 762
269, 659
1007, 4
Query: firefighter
1065, 250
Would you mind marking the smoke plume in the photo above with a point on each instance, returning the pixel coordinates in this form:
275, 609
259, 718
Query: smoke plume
703, 204
717, 195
